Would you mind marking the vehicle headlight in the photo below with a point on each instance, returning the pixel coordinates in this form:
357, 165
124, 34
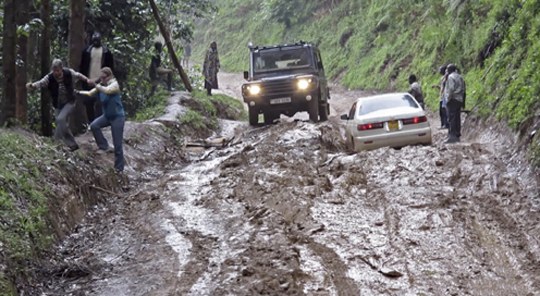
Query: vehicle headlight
303, 84
254, 89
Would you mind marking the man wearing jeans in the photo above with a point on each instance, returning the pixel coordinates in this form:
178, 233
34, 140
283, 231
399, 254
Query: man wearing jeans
455, 90
108, 93
60, 83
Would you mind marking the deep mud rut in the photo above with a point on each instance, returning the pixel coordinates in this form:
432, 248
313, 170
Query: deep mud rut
285, 210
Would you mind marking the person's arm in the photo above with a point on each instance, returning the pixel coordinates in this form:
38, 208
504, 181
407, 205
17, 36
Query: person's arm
78, 76
89, 93
42, 83
112, 88
450, 87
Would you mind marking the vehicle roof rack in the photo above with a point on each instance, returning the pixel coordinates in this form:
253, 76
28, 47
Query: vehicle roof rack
259, 47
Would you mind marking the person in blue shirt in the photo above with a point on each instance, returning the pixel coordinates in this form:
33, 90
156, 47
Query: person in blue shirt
109, 94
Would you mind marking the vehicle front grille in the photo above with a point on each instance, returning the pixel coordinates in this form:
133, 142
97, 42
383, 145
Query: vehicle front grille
278, 88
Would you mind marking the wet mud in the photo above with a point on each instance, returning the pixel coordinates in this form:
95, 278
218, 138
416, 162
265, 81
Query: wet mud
287, 210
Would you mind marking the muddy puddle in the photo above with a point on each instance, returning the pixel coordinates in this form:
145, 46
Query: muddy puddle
285, 210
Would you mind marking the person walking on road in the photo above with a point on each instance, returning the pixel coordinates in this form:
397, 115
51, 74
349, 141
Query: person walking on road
443, 114
416, 90
60, 83
211, 68
94, 58
109, 94
455, 93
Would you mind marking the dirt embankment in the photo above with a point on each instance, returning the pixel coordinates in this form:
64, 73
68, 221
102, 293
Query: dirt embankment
285, 210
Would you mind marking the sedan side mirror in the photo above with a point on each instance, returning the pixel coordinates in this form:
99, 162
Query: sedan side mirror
344, 117
246, 75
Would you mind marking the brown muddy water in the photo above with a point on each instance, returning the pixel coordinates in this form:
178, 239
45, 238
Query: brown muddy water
285, 210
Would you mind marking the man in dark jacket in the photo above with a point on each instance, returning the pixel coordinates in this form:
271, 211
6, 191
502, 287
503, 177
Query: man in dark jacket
60, 83
157, 72
455, 92
94, 58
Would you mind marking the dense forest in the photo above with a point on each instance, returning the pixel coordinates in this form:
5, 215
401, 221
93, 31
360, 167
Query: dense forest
35, 32
378, 44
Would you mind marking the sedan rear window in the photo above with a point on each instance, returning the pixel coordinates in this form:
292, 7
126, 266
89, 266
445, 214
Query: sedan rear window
381, 103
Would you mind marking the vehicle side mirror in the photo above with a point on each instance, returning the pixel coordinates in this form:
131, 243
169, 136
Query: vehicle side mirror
246, 75
344, 117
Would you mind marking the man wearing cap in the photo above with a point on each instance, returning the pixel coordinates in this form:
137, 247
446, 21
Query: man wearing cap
94, 58
454, 90
60, 83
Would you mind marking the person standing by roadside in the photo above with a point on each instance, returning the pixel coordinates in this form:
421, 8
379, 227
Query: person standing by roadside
443, 114
455, 92
416, 90
211, 68
60, 83
109, 94
187, 55
94, 57
157, 71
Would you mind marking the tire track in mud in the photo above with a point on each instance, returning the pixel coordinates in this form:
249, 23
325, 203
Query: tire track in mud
270, 186
286, 211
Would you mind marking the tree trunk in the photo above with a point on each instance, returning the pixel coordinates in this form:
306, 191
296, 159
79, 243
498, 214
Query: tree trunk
7, 111
76, 46
45, 53
21, 108
170, 47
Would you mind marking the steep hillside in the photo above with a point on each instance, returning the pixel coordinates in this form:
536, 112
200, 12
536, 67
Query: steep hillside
377, 44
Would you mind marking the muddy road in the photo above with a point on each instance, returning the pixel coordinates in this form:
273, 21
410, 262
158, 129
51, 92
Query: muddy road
286, 210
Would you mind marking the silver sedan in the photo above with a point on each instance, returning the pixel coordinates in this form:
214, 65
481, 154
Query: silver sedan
393, 120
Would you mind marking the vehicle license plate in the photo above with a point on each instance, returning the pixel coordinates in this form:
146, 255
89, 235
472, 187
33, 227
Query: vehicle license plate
280, 101
393, 125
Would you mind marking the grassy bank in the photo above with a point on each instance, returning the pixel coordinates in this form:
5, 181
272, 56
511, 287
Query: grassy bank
23, 202
204, 111
44, 192
495, 43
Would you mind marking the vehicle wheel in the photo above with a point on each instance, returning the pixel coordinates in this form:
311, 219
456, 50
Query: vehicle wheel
253, 116
269, 117
350, 144
313, 110
323, 111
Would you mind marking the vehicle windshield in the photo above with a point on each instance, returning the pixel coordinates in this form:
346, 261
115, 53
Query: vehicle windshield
386, 102
280, 59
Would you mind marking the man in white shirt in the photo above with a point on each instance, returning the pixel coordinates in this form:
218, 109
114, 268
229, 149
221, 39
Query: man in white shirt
95, 57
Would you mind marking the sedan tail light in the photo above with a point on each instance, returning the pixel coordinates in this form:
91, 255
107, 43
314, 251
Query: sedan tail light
370, 126
414, 120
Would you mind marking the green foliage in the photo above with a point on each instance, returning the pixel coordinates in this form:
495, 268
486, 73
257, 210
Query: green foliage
219, 105
154, 106
23, 196
198, 121
6, 287
377, 44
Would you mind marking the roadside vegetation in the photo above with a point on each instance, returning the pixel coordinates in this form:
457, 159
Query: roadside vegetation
42, 191
378, 44
204, 111
23, 201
